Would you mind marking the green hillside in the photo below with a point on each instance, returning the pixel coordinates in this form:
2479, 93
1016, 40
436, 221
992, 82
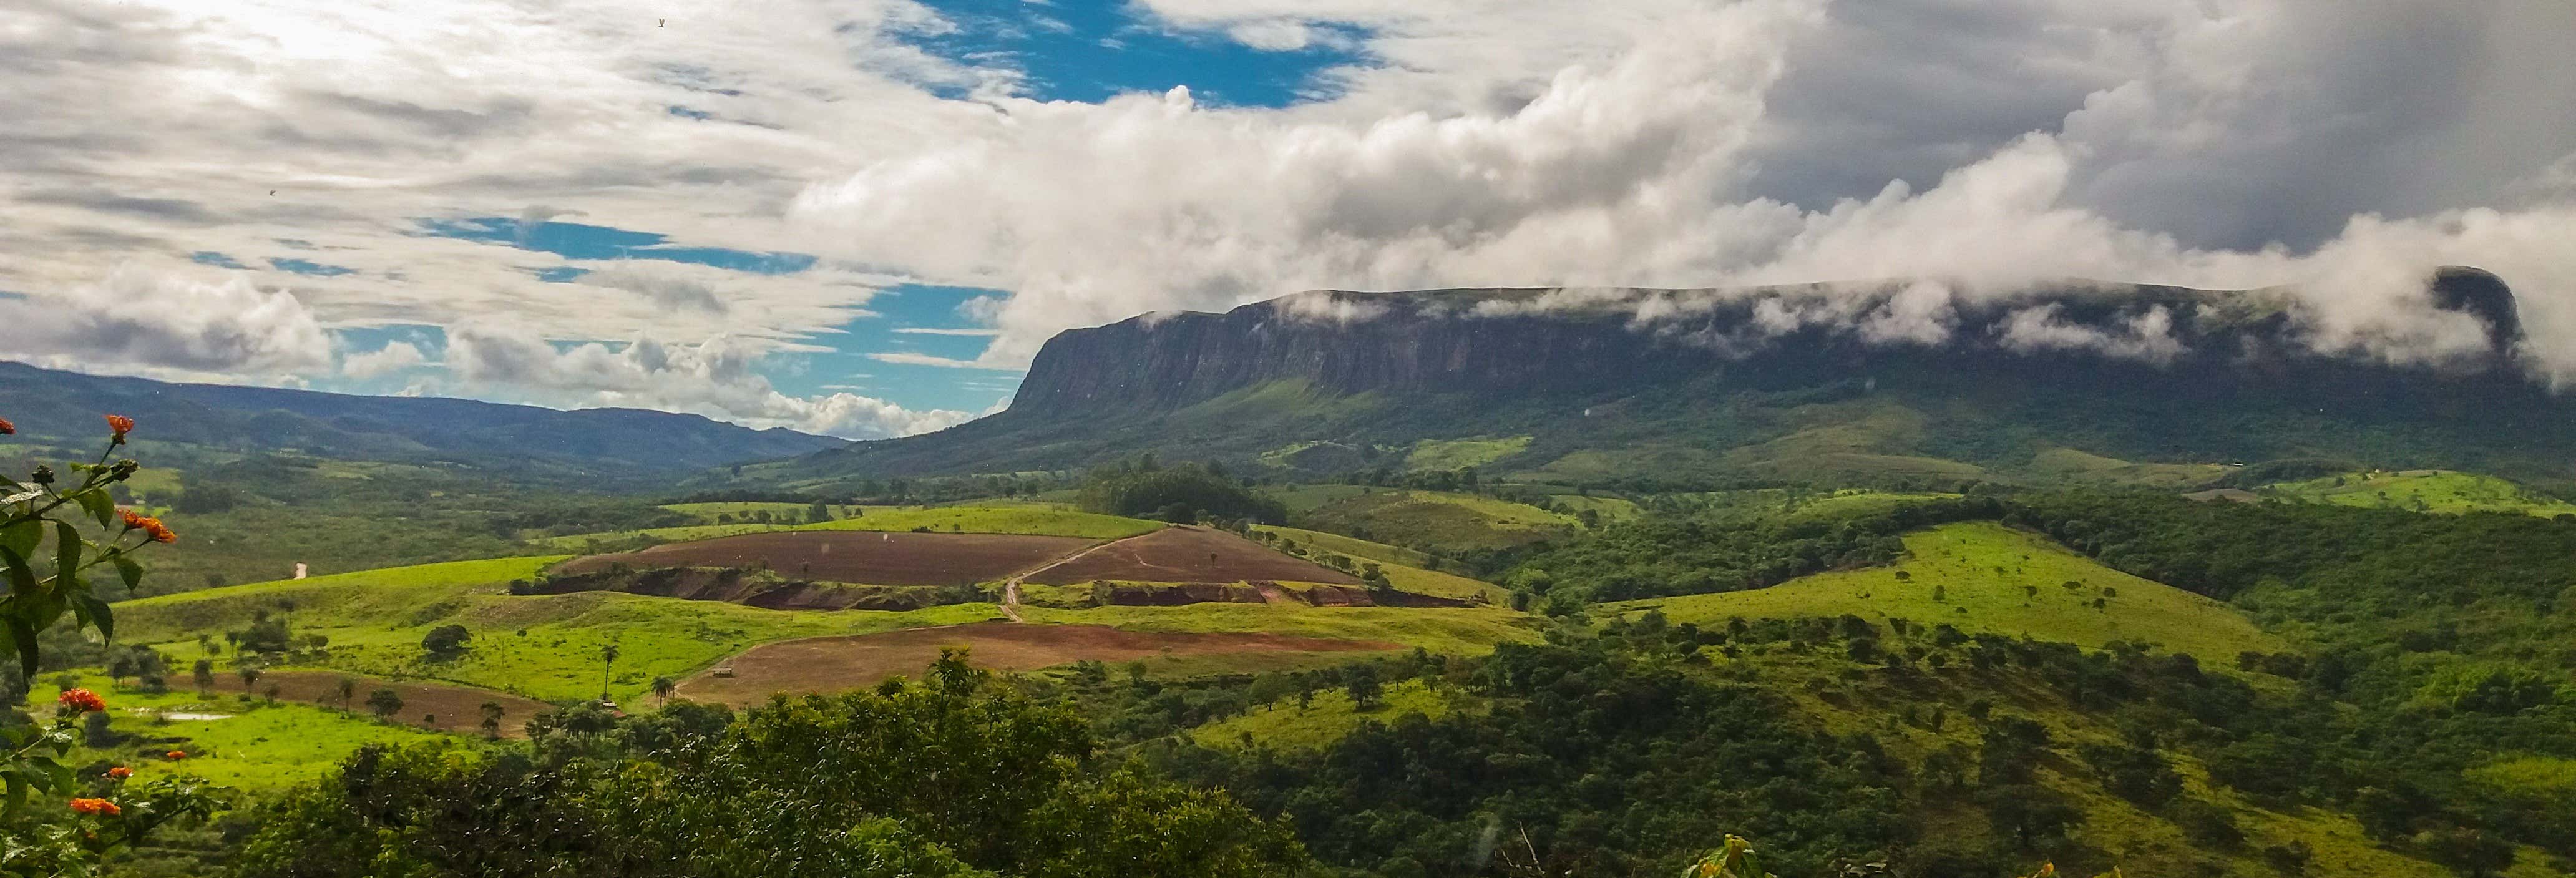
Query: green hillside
1406, 569
1984, 577
2423, 491
1031, 519
1438, 522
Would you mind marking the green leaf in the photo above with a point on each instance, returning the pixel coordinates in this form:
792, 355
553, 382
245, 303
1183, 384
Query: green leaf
131, 572
25, 639
17, 793
67, 552
98, 614
23, 537
22, 579
100, 506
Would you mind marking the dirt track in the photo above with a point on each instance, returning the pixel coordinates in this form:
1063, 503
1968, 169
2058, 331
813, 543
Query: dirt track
838, 664
868, 557
1187, 554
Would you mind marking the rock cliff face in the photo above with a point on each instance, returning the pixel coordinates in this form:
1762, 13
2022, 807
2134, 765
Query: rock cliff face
1542, 342
1894, 382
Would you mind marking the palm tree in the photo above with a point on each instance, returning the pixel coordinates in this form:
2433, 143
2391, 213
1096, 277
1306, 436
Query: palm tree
662, 689
348, 690
607, 661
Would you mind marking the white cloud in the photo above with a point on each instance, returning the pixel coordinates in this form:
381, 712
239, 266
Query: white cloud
917, 330
714, 378
913, 359
395, 356
167, 323
1980, 147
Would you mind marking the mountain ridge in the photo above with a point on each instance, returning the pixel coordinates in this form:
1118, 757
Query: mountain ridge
60, 405
1905, 386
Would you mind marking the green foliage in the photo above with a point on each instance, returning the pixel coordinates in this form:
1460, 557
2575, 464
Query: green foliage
973, 779
446, 641
36, 839
1679, 555
1590, 761
1181, 493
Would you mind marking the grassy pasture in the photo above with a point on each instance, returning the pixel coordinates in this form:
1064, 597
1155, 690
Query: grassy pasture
1440, 521
1984, 577
1450, 454
1286, 726
2424, 490
1406, 569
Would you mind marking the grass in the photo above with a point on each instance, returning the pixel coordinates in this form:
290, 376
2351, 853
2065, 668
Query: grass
2076, 466
1030, 519
2423, 490
1984, 577
1332, 714
1301, 499
1450, 454
1461, 631
708, 512
1438, 521
545, 647
1608, 509
261, 747
1406, 569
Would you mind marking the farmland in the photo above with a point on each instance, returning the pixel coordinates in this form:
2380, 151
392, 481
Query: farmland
1187, 554
829, 664
871, 557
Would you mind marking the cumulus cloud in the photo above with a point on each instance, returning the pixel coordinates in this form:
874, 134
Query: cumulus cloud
395, 356
1944, 153
716, 378
167, 323
1987, 148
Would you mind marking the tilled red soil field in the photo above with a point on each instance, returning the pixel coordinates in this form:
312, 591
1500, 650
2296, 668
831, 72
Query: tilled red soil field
441, 706
840, 664
1188, 554
870, 557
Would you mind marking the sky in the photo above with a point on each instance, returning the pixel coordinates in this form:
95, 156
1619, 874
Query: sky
864, 217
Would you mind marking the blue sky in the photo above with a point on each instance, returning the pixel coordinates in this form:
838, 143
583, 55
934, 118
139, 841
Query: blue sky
1087, 52
835, 215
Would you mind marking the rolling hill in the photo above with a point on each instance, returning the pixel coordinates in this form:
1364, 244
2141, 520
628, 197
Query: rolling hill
525, 441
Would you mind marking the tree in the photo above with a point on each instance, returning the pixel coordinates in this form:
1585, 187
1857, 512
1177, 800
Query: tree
385, 702
662, 688
972, 779
2030, 814
446, 642
607, 662
249, 674
1361, 682
2470, 852
348, 688
492, 712
205, 675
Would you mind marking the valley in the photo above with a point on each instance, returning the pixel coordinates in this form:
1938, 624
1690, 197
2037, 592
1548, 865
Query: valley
1870, 614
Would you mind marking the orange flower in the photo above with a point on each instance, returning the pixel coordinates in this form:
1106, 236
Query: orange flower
7, 428
177, 754
101, 807
132, 518
120, 772
83, 699
158, 532
120, 425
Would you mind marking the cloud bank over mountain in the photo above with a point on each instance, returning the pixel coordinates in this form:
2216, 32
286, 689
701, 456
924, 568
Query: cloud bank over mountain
287, 181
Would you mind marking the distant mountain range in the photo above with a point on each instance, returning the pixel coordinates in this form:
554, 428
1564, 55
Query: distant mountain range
66, 407
1679, 388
